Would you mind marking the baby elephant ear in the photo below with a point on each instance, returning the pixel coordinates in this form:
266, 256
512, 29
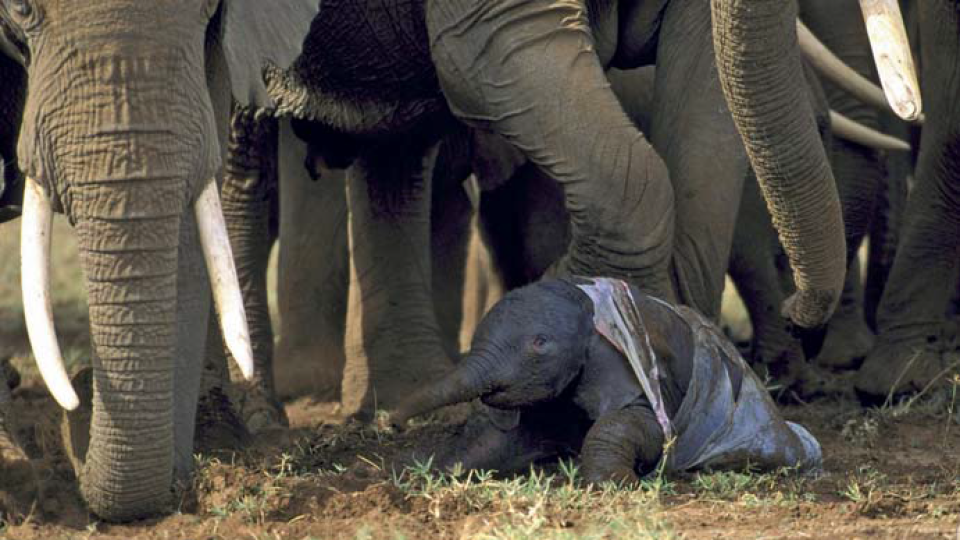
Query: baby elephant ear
261, 33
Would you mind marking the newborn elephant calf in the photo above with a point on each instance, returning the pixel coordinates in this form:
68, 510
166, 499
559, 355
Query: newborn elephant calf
595, 366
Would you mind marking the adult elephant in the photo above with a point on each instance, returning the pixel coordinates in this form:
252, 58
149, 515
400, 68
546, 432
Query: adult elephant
532, 72
911, 355
123, 130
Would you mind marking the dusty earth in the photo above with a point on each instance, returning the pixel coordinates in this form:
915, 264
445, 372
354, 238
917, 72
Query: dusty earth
892, 472
889, 473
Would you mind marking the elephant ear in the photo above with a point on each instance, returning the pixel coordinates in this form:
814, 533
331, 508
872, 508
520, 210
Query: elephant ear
261, 33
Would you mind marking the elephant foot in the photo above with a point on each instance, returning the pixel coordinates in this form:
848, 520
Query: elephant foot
260, 411
314, 370
384, 386
796, 380
905, 367
218, 425
848, 342
20, 486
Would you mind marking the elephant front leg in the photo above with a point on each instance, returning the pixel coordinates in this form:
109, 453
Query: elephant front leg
622, 444
451, 216
910, 354
849, 339
528, 70
393, 339
754, 270
506, 441
313, 276
249, 202
693, 131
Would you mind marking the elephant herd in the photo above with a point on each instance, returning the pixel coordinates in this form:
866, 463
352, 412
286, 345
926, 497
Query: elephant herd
667, 143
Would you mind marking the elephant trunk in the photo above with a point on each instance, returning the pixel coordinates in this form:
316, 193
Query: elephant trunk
758, 63
131, 272
472, 378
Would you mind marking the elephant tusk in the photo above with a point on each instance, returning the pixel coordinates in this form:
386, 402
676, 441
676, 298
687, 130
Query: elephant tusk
849, 130
35, 240
839, 73
891, 52
223, 277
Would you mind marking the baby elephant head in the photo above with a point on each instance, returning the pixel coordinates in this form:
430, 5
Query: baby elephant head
527, 350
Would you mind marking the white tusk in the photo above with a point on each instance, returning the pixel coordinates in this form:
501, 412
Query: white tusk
35, 233
839, 73
847, 129
891, 52
223, 277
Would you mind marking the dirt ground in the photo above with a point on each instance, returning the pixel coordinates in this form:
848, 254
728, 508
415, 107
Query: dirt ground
889, 473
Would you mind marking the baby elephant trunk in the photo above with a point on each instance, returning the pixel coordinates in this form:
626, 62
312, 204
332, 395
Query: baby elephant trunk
472, 378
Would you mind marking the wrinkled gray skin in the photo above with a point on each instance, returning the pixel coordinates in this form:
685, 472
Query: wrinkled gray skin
313, 260
910, 352
125, 119
558, 387
758, 265
391, 77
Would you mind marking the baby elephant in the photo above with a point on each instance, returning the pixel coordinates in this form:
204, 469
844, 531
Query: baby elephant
595, 367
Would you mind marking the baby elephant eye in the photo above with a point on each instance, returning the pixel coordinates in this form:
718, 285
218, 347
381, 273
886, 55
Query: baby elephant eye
540, 343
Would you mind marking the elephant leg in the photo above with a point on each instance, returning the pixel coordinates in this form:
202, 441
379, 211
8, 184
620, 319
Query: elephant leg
248, 196
10, 451
849, 339
694, 133
622, 444
525, 225
909, 353
887, 223
313, 276
858, 171
756, 268
528, 71
15, 467
507, 441
218, 422
393, 345
451, 216
761, 272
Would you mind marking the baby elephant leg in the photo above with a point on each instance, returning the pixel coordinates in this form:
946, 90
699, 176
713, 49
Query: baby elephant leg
620, 444
505, 443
